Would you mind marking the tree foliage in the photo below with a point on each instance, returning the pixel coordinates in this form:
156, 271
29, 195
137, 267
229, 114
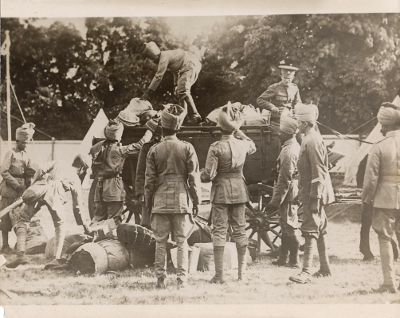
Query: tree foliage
349, 65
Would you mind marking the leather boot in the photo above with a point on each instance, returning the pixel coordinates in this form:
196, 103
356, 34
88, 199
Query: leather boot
304, 276
284, 252
387, 261
294, 244
219, 265
395, 250
4, 237
366, 220
5, 249
21, 259
59, 240
161, 283
324, 269
21, 239
242, 263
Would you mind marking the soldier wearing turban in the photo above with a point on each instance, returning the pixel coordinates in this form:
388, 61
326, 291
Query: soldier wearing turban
17, 172
108, 158
229, 194
285, 191
381, 189
49, 186
141, 169
171, 191
314, 189
185, 67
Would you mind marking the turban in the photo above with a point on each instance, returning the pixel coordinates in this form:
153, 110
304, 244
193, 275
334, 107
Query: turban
25, 132
113, 130
172, 117
82, 160
128, 118
389, 114
305, 112
228, 119
288, 124
150, 49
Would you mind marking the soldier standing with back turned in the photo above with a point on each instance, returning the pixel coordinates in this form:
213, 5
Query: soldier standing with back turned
229, 194
382, 189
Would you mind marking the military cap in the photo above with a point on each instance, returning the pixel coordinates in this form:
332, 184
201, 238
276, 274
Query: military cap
288, 67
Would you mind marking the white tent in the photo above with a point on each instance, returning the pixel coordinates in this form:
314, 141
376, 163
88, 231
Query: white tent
353, 163
96, 130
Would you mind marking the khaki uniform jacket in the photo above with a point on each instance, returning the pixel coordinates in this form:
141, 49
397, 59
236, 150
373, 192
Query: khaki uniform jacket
280, 96
141, 167
172, 178
314, 179
62, 177
224, 167
13, 171
113, 188
382, 175
286, 187
175, 61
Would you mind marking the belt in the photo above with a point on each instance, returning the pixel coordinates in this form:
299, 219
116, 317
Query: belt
173, 177
228, 175
395, 179
21, 176
110, 176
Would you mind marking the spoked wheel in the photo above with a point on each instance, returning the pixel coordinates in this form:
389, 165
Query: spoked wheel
265, 226
131, 207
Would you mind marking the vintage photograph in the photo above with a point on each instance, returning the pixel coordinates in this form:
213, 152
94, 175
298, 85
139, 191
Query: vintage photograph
184, 160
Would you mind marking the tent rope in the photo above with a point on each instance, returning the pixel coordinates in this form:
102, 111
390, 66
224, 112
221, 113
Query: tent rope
338, 134
21, 121
362, 125
19, 106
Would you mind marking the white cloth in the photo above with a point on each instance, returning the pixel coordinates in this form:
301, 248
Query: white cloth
306, 112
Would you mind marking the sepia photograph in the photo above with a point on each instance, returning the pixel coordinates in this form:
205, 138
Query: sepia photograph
199, 158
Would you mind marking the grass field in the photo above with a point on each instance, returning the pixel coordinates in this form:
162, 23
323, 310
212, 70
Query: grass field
351, 283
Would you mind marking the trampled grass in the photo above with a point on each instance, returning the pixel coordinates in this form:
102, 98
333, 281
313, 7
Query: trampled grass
351, 283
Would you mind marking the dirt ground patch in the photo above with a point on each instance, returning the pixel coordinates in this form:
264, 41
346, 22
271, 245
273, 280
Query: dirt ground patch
351, 283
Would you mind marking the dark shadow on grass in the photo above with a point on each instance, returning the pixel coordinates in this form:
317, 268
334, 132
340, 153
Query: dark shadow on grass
362, 292
334, 260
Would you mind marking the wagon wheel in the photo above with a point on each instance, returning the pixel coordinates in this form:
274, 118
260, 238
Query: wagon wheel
91, 204
265, 225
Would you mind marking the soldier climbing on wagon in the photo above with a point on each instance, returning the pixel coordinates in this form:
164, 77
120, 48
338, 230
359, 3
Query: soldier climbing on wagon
185, 67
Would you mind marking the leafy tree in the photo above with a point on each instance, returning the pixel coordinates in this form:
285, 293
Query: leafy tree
347, 62
44, 63
223, 64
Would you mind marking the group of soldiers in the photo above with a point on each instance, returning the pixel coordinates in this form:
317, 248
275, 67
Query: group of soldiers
168, 179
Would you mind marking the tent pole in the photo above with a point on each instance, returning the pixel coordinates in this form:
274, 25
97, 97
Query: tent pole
8, 88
